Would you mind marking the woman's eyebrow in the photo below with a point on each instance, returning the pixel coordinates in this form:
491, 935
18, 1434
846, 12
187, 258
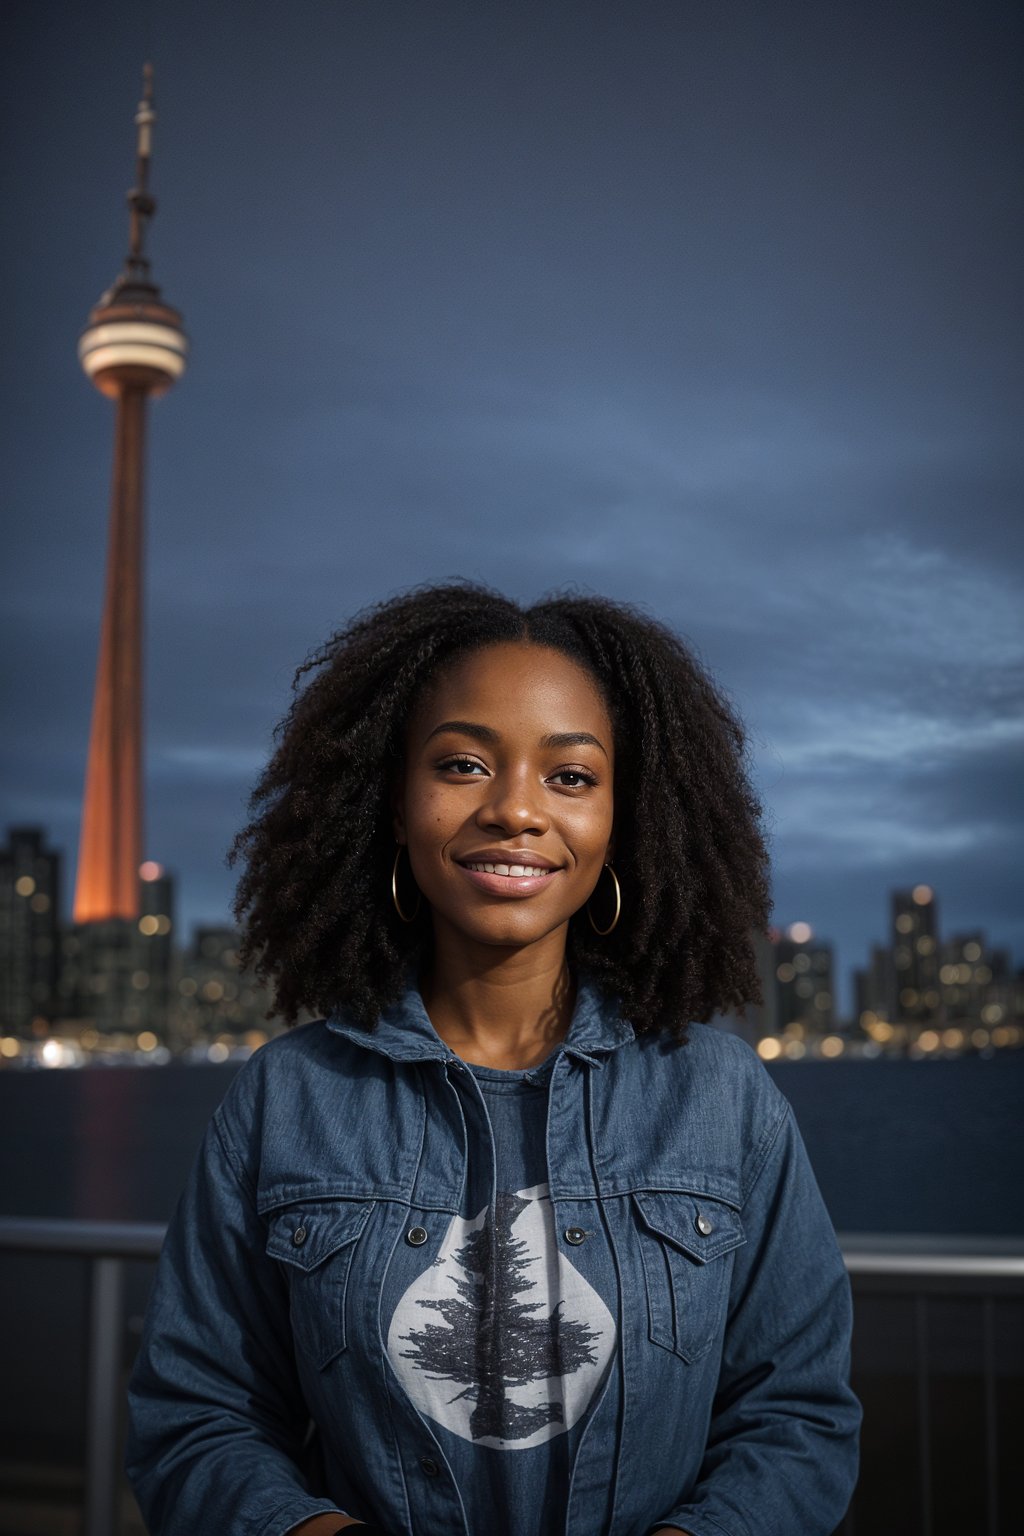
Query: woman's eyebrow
466, 728
573, 739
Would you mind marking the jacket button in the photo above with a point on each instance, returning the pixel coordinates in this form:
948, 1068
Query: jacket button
704, 1227
574, 1235
299, 1236
429, 1465
417, 1236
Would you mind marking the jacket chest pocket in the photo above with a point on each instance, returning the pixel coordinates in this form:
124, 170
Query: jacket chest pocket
315, 1241
685, 1243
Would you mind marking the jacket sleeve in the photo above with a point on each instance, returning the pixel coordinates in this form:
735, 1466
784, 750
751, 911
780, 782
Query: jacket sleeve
782, 1447
217, 1419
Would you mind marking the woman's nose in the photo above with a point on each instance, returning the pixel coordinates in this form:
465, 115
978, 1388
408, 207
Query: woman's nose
513, 806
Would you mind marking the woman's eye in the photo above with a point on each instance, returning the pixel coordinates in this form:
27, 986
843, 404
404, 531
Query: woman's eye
573, 778
464, 766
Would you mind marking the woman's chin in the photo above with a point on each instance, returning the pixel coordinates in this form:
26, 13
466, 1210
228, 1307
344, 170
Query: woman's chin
503, 930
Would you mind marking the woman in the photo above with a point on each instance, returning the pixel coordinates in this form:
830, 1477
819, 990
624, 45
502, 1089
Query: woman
506, 1243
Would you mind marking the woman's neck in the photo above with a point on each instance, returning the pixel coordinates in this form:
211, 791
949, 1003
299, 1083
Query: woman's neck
504, 1010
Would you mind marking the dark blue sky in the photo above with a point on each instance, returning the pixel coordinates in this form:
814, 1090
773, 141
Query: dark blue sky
713, 307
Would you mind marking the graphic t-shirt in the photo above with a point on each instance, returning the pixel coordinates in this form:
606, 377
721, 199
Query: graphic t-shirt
496, 1335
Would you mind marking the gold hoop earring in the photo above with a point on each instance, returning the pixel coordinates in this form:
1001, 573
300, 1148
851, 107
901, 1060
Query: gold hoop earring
394, 891
603, 933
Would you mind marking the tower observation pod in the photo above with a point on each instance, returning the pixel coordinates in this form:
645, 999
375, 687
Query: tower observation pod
133, 347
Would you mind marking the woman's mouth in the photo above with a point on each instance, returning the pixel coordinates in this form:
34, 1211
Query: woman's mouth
517, 871
511, 879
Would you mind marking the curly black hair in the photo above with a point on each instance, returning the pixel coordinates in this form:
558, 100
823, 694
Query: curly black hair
314, 901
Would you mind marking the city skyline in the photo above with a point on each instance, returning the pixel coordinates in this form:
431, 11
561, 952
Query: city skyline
69, 988
720, 319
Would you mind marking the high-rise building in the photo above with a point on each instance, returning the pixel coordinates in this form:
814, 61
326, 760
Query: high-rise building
874, 987
967, 975
118, 976
804, 990
217, 1001
915, 950
30, 900
132, 348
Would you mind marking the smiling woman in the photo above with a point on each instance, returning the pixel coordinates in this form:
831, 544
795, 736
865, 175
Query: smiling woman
509, 1242
508, 822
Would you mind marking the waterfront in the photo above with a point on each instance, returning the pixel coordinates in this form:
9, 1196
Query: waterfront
898, 1146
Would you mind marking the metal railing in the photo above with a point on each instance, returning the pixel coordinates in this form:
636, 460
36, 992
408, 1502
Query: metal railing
928, 1271
107, 1246
919, 1268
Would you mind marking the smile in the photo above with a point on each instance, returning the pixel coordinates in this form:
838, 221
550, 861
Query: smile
508, 879
517, 871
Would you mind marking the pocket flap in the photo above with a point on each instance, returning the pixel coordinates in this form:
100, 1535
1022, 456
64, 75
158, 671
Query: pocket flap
703, 1228
307, 1233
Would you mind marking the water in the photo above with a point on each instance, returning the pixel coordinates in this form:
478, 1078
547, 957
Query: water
898, 1146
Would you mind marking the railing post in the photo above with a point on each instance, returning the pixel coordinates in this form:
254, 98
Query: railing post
924, 1424
991, 1413
106, 1312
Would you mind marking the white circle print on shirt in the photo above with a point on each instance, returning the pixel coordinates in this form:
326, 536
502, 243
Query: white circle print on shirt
501, 1340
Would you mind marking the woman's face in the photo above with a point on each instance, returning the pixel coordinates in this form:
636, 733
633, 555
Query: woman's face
506, 798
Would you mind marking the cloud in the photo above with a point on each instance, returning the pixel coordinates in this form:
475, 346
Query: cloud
205, 764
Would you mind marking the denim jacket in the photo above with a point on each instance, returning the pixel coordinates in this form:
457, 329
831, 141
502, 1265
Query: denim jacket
259, 1397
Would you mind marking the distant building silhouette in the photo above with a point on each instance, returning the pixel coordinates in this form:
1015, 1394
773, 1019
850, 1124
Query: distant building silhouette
915, 951
803, 980
117, 976
797, 983
217, 1001
30, 903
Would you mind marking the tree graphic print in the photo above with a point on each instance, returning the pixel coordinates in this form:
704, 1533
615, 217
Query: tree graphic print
492, 1343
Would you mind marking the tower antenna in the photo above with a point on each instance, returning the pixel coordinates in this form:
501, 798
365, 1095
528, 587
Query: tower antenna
141, 204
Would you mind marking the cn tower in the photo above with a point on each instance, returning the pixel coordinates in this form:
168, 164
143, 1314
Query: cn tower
133, 347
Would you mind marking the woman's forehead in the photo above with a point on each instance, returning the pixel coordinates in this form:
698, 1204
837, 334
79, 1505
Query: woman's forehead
516, 677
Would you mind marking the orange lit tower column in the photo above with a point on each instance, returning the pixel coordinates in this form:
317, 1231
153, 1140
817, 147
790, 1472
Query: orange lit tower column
134, 347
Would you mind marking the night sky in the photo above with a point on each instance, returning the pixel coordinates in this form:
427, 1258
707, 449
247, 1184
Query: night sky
714, 307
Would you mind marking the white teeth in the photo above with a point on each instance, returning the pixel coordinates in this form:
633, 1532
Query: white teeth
515, 871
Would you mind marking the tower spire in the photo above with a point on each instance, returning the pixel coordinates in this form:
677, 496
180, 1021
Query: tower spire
141, 204
133, 347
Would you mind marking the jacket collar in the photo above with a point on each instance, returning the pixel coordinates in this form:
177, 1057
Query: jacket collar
404, 1031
